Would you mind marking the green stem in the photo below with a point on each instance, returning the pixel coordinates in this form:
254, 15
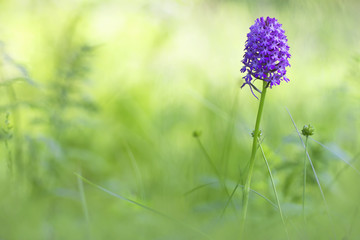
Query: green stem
246, 191
84, 205
216, 171
208, 158
274, 188
304, 184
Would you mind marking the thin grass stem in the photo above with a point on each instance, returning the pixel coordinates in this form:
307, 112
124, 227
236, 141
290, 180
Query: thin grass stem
199, 187
143, 206
137, 171
275, 192
84, 205
304, 181
216, 171
340, 157
353, 160
251, 190
208, 158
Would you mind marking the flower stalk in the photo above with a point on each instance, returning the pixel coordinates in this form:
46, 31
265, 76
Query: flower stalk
255, 146
304, 181
307, 131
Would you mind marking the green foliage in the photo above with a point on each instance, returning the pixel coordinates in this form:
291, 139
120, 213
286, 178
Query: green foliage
113, 91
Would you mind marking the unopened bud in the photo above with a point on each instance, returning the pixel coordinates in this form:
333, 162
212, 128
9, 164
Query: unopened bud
308, 130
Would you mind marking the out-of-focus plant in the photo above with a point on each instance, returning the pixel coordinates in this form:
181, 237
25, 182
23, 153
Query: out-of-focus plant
11, 73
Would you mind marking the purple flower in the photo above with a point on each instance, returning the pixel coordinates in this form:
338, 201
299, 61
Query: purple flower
266, 53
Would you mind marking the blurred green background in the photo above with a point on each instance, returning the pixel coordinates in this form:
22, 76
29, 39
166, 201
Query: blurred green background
113, 90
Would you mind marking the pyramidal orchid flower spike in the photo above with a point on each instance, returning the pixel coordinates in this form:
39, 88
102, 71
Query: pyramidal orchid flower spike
266, 58
266, 53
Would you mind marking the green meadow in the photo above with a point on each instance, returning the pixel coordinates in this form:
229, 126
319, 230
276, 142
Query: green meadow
125, 120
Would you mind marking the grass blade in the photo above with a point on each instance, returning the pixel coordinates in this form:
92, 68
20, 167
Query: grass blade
198, 187
353, 160
216, 171
142, 206
84, 205
251, 190
136, 170
274, 188
334, 153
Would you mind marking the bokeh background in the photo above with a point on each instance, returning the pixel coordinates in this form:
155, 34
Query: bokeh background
114, 90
